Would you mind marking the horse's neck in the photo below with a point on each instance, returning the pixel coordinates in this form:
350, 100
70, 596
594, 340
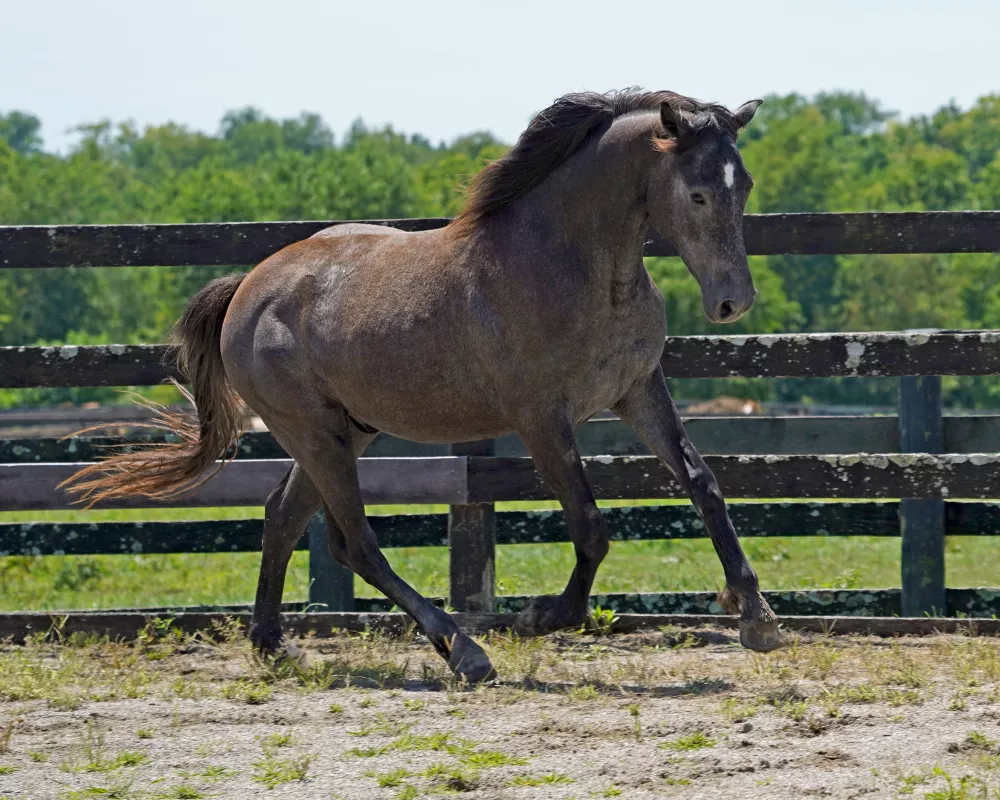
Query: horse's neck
595, 201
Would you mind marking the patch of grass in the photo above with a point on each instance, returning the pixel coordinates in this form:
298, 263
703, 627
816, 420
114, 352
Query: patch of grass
611, 791
7, 733
119, 790
37, 756
92, 756
145, 733
583, 693
7, 769
275, 740
979, 741
552, 779
392, 779
383, 726
490, 759
182, 792
414, 705
633, 710
249, 692
216, 772
449, 778
336, 708
737, 710
272, 771
691, 741
967, 787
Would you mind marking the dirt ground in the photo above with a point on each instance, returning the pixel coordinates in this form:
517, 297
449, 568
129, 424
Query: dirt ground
667, 713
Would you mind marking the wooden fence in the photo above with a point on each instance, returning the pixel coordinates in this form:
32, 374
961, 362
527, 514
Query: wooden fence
935, 464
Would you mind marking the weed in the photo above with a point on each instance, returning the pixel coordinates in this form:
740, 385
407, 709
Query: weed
144, 733
611, 791
414, 705
582, 693
979, 741
38, 757
382, 726
600, 621
336, 708
450, 778
551, 779
691, 741
7, 733
390, 780
276, 740
248, 692
272, 771
633, 709
92, 755
489, 759
7, 769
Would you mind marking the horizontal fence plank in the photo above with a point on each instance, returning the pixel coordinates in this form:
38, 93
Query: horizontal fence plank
28, 487
711, 435
32, 487
513, 527
245, 243
127, 625
861, 476
773, 356
630, 523
816, 355
971, 602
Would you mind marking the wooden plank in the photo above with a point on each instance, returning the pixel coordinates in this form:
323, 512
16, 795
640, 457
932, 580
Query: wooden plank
772, 356
244, 243
922, 522
127, 625
25, 487
472, 537
711, 435
32, 487
817, 355
331, 584
513, 527
972, 519
862, 476
169, 245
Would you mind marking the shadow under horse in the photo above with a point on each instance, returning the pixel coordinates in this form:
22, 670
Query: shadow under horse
529, 313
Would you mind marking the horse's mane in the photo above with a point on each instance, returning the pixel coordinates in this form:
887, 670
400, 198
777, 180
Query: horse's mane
559, 131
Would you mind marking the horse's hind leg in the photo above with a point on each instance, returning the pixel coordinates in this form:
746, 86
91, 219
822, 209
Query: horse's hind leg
286, 513
553, 450
325, 453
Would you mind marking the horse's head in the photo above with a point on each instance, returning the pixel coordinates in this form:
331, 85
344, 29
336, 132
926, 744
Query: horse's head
696, 195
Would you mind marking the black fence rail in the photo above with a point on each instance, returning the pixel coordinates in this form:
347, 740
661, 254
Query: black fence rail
916, 465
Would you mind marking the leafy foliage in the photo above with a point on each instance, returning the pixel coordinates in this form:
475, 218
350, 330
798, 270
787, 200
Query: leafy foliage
836, 152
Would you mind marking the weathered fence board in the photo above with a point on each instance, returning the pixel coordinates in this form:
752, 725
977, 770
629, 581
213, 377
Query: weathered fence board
629, 523
871, 476
711, 435
32, 487
773, 356
245, 243
25, 487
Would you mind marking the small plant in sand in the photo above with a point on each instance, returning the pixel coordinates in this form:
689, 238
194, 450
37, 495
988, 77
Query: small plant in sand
691, 741
633, 710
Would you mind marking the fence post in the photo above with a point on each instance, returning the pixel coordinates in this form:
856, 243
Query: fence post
331, 584
472, 535
922, 523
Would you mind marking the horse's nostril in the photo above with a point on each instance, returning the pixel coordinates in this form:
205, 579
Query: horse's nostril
725, 309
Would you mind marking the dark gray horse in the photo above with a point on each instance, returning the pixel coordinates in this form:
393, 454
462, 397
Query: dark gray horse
527, 314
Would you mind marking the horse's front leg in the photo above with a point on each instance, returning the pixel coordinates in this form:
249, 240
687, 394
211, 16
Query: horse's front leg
650, 410
553, 450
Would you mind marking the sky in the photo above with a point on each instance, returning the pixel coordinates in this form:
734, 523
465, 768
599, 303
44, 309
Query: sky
447, 68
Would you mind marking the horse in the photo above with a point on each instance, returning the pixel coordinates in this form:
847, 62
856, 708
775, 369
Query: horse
528, 313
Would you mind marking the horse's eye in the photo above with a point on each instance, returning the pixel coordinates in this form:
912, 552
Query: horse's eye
698, 198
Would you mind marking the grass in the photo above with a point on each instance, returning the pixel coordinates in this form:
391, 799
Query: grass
691, 741
54, 582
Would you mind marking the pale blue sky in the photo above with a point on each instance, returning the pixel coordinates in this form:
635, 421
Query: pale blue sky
446, 68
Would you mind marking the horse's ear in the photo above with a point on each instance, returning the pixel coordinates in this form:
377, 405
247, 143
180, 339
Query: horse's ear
746, 111
675, 121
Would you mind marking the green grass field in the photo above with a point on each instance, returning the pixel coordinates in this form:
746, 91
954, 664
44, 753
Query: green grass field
77, 582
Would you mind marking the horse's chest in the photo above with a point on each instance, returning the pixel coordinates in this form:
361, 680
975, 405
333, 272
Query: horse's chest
613, 355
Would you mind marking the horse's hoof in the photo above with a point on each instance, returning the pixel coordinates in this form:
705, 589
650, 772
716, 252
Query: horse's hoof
541, 616
469, 661
760, 636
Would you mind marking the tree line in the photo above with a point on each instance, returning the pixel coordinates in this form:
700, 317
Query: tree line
831, 152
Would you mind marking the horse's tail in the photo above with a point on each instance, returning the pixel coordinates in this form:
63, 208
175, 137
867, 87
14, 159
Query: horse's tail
165, 470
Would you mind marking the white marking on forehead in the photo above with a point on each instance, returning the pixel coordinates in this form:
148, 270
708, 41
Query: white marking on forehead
729, 173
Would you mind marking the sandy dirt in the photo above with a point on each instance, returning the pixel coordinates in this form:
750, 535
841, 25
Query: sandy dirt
656, 714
